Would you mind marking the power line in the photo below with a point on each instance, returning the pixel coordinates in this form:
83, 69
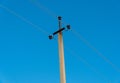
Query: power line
42, 7
43, 31
94, 49
78, 35
24, 19
73, 53
45, 9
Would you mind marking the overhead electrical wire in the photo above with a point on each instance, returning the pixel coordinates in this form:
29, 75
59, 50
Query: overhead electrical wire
45, 9
73, 31
42, 7
75, 54
71, 51
77, 34
94, 49
23, 19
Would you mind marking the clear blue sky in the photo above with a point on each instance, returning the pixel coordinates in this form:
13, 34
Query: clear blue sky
28, 56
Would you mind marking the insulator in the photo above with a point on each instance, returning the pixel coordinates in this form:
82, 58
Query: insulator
59, 17
68, 26
50, 37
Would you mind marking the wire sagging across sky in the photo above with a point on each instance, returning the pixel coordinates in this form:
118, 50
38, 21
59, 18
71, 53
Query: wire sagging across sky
94, 49
42, 7
77, 34
73, 53
24, 19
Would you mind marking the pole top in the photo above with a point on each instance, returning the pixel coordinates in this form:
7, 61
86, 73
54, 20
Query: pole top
59, 17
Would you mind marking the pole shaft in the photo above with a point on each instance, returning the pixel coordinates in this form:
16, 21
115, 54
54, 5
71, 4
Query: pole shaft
61, 57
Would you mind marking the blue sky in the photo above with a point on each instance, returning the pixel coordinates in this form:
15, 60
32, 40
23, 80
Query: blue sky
28, 56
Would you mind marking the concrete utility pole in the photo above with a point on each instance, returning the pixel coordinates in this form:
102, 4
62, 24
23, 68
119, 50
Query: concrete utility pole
61, 55
61, 50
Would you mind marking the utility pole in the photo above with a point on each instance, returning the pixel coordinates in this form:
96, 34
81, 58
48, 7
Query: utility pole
61, 54
61, 49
